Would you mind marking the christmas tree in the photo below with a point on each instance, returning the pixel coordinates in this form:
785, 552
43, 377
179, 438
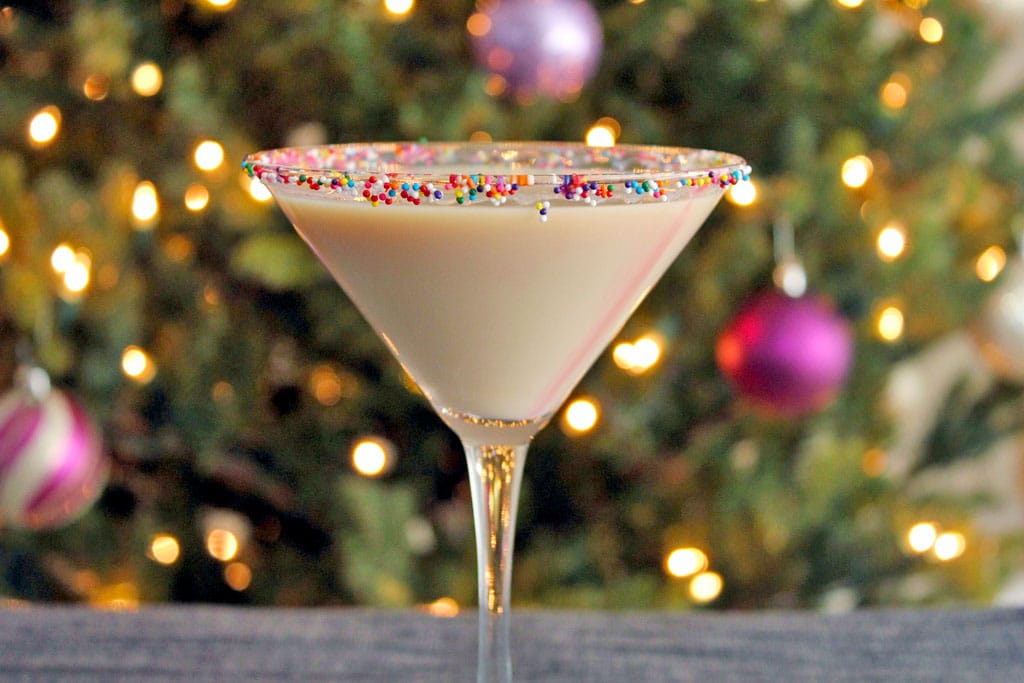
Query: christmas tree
263, 445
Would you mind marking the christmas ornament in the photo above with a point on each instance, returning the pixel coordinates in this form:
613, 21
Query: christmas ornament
540, 47
790, 355
999, 329
52, 465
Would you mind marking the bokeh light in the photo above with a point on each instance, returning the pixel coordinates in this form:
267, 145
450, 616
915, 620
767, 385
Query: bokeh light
892, 241
743, 193
889, 322
222, 544
147, 79
145, 204
683, 562
209, 155
706, 586
921, 537
137, 364
164, 549
949, 545
197, 197
856, 171
238, 576
372, 456
931, 30
581, 415
44, 125
990, 263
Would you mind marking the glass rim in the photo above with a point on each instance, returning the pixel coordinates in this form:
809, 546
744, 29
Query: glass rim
548, 162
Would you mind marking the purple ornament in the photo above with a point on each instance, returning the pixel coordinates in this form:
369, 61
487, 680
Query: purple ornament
540, 47
788, 355
52, 465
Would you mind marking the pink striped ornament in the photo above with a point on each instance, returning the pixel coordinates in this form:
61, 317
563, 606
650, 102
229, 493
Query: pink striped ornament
52, 464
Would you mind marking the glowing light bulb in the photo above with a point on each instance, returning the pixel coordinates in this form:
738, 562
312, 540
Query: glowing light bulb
147, 79
479, 24
145, 204
445, 608
96, 87
683, 562
137, 365
196, 197
371, 456
398, 8
949, 545
990, 263
209, 155
238, 576
930, 29
222, 544
889, 323
600, 135
857, 171
259, 191
743, 193
891, 241
705, 587
164, 549
77, 276
62, 257
44, 125
896, 91
581, 415
921, 537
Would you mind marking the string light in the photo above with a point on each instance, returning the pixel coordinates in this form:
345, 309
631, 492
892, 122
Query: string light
850, 4
743, 193
196, 197
222, 544
399, 8
889, 323
581, 415
164, 549
137, 364
259, 191
220, 5
147, 79
372, 456
683, 562
44, 125
990, 263
238, 576
76, 277
326, 385
892, 241
5, 241
62, 257
145, 204
445, 608
857, 171
637, 357
479, 24
930, 29
949, 545
921, 537
706, 586
895, 91
209, 155
96, 87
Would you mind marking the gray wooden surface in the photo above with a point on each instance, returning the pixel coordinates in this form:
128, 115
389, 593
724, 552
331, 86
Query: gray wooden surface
56, 644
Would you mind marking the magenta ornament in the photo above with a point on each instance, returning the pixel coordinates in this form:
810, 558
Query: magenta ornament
540, 47
52, 464
788, 355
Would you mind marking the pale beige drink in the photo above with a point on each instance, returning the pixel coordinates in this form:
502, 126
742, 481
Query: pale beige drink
493, 312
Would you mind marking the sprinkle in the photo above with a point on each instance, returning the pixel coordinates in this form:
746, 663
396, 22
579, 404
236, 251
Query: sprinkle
674, 172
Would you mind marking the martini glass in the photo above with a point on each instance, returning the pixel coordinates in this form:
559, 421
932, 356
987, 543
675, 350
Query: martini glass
496, 273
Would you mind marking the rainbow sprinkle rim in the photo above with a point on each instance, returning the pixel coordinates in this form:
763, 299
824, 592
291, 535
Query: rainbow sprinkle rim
529, 173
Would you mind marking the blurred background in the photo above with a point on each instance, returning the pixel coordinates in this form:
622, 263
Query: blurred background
819, 406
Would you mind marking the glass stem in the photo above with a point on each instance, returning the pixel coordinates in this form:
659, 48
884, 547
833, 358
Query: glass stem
495, 473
